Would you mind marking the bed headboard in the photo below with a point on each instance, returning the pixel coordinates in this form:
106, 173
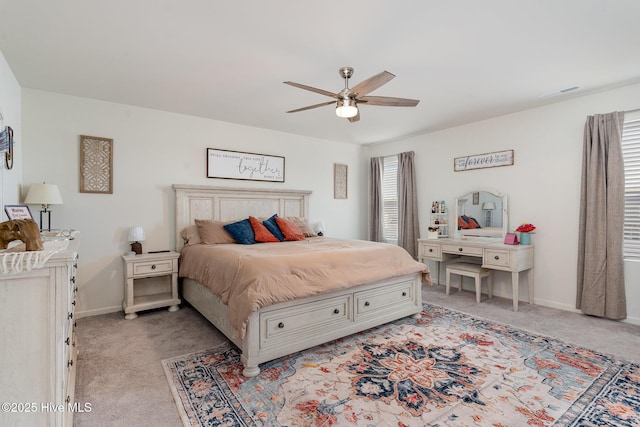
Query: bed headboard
224, 203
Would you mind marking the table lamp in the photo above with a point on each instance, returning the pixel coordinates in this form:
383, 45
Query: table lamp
136, 235
318, 228
45, 195
488, 206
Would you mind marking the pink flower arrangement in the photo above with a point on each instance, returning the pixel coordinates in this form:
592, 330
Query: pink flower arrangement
526, 228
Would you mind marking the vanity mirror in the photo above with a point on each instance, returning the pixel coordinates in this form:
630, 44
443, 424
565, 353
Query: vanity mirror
481, 214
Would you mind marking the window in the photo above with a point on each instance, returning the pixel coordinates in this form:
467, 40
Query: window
390, 199
631, 155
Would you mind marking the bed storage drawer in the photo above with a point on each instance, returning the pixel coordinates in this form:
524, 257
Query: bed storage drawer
281, 326
388, 298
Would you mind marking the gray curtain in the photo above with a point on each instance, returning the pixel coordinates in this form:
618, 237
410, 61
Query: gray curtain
600, 258
408, 224
376, 231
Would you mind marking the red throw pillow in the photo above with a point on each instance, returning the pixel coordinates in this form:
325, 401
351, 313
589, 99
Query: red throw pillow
473, 223
262, 234
462, 224
289, 229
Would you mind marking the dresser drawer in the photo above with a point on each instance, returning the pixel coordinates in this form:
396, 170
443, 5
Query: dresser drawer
462, 250
281, 326
152, 267
377, 302
496, 258
429, 251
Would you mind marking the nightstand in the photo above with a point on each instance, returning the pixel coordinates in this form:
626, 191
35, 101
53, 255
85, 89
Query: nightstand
144, 288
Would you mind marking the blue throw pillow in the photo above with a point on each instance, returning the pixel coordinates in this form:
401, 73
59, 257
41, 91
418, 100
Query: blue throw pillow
272, 226
242, 232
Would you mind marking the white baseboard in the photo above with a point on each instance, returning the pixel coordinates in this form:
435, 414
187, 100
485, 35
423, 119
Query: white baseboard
566, 307
98, 311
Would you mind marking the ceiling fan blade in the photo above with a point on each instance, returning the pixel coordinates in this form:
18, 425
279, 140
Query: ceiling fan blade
312, 106
389, 101
371, 84
355, 118
312, 89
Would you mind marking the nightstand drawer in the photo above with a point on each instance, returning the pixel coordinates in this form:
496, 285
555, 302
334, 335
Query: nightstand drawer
151, 268
462, 250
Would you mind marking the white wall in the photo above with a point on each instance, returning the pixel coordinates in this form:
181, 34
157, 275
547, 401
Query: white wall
10, 107
152, 151
543, 185
155, 149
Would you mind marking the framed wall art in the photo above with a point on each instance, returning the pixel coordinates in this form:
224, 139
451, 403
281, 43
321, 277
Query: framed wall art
227, 164
96, 165
481, 161
340, 175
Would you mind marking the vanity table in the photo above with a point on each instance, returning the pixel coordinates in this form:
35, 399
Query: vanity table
494, 255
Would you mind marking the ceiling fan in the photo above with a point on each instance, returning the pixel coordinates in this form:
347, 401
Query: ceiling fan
347, 99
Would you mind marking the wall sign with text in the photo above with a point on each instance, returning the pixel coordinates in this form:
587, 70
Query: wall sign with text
238, 165
481, 161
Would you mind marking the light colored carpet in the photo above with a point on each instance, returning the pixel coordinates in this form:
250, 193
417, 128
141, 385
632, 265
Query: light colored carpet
121, 375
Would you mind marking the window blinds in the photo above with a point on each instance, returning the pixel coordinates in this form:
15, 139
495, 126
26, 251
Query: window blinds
631, 155
390, 199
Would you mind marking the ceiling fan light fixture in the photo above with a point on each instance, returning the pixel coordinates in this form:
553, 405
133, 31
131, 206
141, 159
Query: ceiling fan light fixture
346, 108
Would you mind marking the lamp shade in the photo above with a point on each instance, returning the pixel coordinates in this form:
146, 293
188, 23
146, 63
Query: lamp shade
136, 234
43, 194
318, 227
488, 206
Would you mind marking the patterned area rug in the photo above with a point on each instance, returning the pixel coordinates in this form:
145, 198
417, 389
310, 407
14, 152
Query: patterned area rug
446, 369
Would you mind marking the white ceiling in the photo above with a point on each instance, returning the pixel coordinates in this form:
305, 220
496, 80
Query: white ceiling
464, 60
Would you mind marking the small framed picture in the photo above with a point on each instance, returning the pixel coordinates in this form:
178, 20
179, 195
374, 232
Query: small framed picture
476, 198
18, 212
511, 239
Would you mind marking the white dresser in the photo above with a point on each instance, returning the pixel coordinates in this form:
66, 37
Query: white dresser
37, 342
493, 254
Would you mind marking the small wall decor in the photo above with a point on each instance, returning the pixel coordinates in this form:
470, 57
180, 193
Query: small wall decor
340, 175
96, 165
227, 164
476, 198
6, 143
481, 161
18, 212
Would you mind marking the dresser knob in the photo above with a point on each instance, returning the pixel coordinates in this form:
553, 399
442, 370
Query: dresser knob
430, 250
366, 304
404, 294
70, 316
153, 267
460, 249
280, 325
496, 257
336, 311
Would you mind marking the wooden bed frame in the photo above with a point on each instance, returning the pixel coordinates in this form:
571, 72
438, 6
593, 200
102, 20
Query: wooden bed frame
284, 328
